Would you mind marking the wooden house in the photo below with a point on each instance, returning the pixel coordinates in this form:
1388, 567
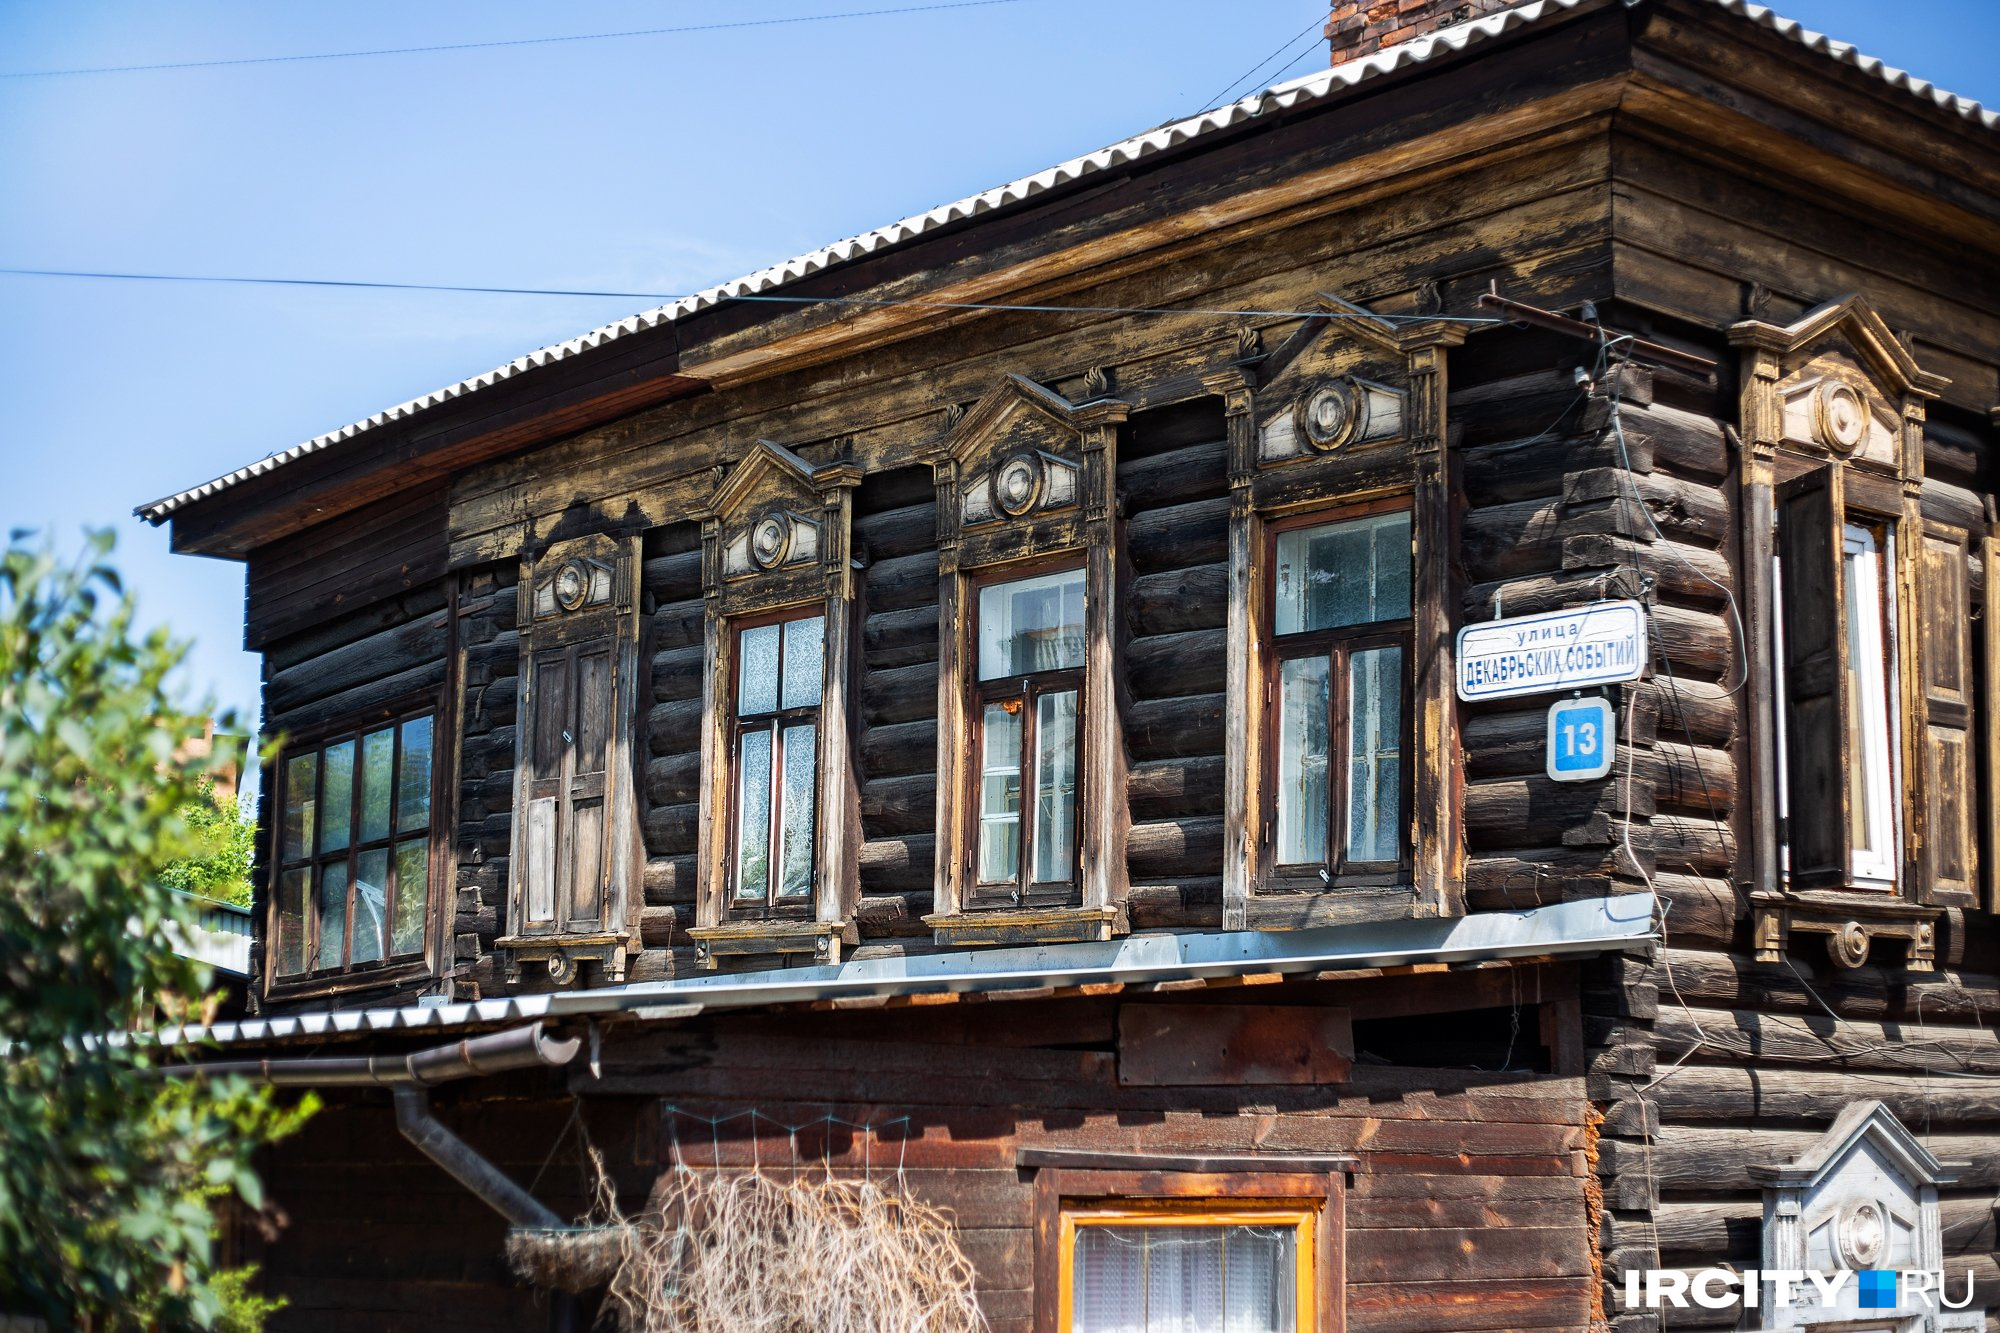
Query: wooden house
982, 700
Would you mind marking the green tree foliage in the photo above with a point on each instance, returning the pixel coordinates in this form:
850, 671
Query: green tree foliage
108, 1172
227, 840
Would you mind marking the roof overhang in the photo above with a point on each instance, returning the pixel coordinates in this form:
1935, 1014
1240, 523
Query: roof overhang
1562, 930
725, 336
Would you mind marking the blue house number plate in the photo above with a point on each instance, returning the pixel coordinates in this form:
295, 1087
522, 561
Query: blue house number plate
1583, 736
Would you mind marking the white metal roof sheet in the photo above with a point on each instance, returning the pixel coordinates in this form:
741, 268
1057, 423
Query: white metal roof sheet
1280, 97
1587, 926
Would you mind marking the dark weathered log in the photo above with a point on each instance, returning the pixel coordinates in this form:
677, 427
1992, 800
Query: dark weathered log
656, 926
1512, 539
337, 631
669, 829
1172, 666
1951, 453
670, 879
1176, 904
1713, 1160
672, 578
1179, 476
1847, 1044
1735, 1094
899, 865
899, 584
1699, 911
674, 779
1178, 537
900, 638
674, 728
383, 653
1167, 728
1693, 779
1175, 848
678, 673
895, 806
360, 701
1532, 811
899, 749
1534, 468
1540, 404
1698, 712
1735, 981
896, 532
1506, 882
1167, 788
1695, 846
678, 625
491, 706
1686, 442
900, 694
1953, 504
1177, 600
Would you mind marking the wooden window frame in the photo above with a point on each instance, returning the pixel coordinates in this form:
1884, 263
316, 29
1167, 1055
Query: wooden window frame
1198, 1190
735, 726
1338, 647
1022, 891
392, 968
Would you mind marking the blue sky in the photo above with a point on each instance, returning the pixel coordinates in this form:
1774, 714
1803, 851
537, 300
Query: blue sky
655, 164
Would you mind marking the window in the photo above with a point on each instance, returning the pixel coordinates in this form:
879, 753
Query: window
774, 737
1865, 559
1181, 1269
354, 850
1026, 710
1341, 621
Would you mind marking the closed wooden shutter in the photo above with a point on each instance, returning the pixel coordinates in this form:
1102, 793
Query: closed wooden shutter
1811, 514
571, 699
1990, 702
1951, 854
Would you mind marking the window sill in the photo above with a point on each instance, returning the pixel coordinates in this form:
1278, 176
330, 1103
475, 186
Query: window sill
821, 939
1303, 904
369, 976
562, 954
1028, 925
1850, 919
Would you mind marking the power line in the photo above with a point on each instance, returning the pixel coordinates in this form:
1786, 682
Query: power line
664, 297
519, 41
1290, 42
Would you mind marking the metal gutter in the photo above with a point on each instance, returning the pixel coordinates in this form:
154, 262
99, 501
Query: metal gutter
1587, 926
1278, 98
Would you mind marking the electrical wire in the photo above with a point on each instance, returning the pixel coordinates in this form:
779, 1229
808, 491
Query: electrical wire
1251, 73
481, 46
767, 297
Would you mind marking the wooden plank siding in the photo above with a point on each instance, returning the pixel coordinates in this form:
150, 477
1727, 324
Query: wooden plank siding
1475, 1180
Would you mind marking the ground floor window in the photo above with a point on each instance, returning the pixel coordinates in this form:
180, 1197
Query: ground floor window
1188, 1268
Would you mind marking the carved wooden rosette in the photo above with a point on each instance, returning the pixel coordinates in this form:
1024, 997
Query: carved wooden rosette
1348, 412
1027, 477
776, 537
1833, 413
573, 879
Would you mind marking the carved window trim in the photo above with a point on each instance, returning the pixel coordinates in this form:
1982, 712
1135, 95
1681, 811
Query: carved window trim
1391, 454
1817, 450
752, 575
577, 599
1068, 516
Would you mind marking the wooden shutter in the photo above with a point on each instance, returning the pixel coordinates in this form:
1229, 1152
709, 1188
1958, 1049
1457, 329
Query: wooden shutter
1811, 515
1990, 702
571, 699
1944, 608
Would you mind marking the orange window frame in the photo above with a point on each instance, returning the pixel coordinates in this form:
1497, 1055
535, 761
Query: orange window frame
1302, 1217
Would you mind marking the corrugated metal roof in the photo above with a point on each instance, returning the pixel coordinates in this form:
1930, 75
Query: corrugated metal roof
1587, 926
1279, 98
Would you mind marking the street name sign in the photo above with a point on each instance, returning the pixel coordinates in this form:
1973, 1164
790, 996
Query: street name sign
1600, 644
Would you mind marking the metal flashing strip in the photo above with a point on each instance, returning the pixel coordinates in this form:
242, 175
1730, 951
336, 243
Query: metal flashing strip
1587, 926
1277, 98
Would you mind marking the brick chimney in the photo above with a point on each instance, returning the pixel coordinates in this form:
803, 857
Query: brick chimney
1359, 28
